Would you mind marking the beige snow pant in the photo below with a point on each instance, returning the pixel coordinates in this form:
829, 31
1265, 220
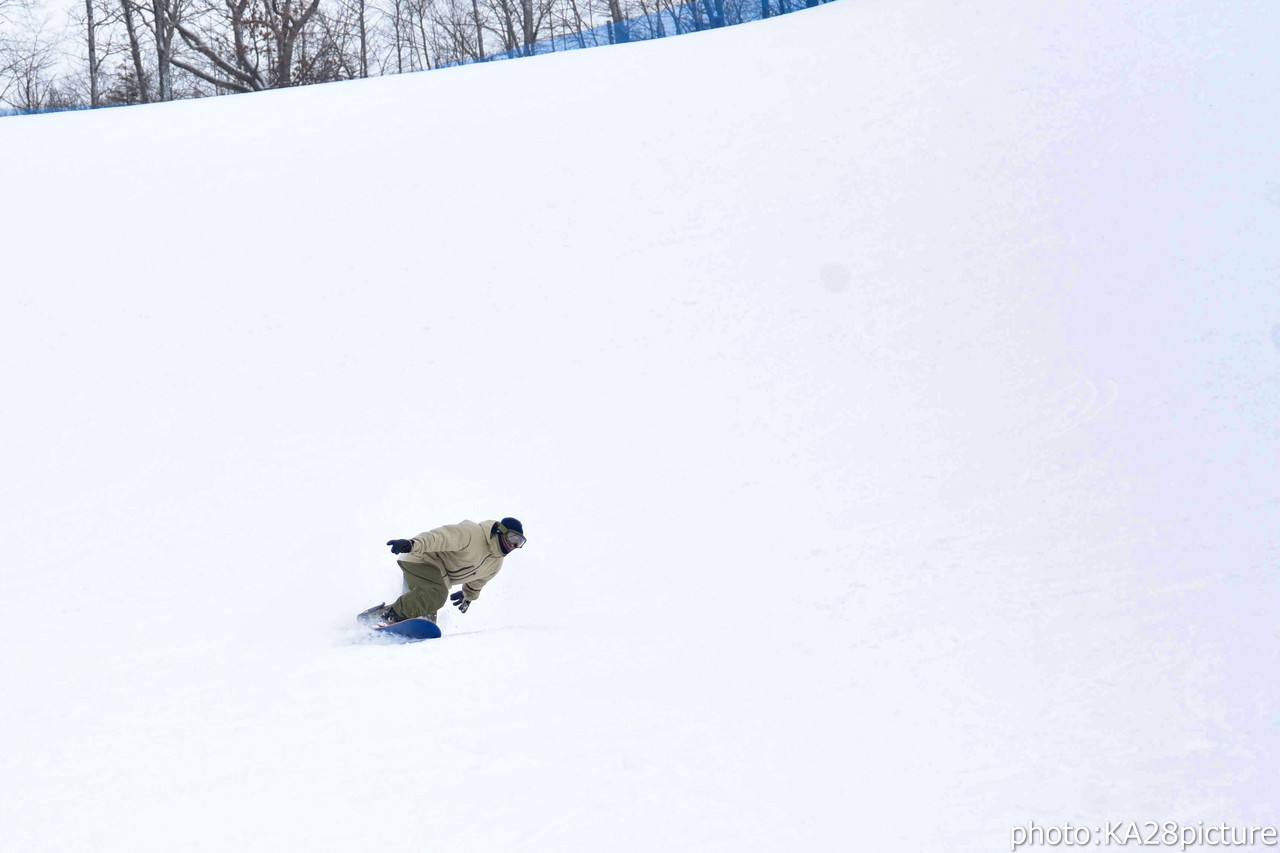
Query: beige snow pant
425, 591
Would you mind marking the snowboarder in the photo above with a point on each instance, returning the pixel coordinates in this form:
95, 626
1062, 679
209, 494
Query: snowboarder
468, 553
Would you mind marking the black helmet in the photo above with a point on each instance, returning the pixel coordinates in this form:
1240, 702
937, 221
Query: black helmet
511, 533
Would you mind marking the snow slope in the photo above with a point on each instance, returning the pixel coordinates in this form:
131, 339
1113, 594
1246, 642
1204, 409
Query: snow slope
888, 390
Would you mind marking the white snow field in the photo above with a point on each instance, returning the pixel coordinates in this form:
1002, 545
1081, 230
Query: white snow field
889, 392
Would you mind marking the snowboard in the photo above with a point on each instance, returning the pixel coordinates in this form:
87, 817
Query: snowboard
411, 630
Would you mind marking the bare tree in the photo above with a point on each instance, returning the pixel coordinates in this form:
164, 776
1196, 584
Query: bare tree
453, 30
617, 17
362, 17
91, 30
335, 47
651, 11
163, 15
31, 87
28, 54
8, 54
478, 18
574, 18
397, 33
246, 45
519, 23
151, 19
128, 13
100, 16
413, 29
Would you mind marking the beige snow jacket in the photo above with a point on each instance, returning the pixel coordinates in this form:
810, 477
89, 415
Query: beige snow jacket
464, 553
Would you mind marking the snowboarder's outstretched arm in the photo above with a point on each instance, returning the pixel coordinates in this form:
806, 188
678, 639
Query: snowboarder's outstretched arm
450, 537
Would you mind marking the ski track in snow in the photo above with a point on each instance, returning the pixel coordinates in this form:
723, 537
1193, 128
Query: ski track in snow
1080, 403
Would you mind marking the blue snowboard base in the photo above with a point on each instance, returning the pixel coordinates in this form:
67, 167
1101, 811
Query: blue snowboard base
411, 630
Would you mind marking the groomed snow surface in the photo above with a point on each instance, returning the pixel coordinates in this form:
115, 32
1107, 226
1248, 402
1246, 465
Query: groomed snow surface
889, 392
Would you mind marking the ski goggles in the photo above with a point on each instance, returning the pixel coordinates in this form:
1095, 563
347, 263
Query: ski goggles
511, 537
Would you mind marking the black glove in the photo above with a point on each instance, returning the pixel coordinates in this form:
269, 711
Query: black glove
400, 546
460, 601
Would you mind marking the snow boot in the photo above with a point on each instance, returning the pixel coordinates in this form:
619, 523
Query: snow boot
379, 615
